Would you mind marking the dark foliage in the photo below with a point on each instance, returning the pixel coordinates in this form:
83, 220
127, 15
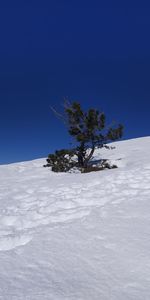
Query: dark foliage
89, 131
61, 161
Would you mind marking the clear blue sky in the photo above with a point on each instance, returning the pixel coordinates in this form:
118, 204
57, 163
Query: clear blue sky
96, 52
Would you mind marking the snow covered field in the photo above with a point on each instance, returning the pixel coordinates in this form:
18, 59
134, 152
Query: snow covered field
77, 236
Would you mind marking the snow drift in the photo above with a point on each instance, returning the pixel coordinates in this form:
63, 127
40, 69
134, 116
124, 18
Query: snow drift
77, 236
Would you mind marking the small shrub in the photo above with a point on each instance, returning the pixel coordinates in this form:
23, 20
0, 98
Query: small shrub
61, 161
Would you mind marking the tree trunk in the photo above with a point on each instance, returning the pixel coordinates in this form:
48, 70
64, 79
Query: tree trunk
80, 160
89, 156
81, 155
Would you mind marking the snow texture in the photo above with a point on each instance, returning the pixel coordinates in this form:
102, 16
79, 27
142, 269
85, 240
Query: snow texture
77, 236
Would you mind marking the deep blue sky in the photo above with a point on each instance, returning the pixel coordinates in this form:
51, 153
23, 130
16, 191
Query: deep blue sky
96, 52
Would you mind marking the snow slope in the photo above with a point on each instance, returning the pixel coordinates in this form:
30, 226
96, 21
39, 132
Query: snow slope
77, 236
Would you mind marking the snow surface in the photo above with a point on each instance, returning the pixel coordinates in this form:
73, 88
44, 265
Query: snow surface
77, 236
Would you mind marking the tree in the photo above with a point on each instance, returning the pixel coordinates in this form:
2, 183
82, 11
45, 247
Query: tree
89, 131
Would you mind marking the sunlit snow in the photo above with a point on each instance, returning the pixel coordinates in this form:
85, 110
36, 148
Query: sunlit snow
77, 236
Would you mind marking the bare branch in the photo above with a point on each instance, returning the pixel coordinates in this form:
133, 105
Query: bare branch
59, 115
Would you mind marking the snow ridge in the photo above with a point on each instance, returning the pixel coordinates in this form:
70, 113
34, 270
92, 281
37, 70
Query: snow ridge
34, 200
38, 197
